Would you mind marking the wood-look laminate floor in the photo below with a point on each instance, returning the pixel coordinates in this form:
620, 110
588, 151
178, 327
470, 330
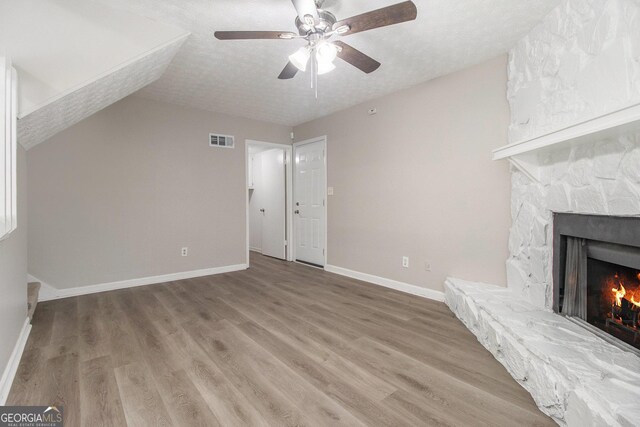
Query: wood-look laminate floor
278, 344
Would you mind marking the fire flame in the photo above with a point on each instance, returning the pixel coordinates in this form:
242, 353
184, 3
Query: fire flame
619, 294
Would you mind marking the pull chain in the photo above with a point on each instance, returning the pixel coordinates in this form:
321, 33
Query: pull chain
314, 72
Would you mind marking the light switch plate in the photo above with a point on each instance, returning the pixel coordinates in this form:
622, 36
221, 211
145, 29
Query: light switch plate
330, 191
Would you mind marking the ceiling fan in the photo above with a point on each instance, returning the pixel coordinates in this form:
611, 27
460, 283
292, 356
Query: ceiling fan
318, 26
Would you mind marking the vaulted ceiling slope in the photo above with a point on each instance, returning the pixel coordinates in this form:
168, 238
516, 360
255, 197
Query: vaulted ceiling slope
240, 77
76, 57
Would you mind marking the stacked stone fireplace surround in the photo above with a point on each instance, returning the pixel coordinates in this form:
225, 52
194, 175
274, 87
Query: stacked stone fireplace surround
582, 62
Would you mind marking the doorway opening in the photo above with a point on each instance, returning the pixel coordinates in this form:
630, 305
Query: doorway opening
269, 199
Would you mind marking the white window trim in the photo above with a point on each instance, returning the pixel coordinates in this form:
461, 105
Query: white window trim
8, 148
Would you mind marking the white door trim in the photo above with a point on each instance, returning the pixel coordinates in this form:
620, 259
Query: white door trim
289, 188
322, 139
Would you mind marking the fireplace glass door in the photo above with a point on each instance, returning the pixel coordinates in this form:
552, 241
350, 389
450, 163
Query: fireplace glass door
596, 275
613, 300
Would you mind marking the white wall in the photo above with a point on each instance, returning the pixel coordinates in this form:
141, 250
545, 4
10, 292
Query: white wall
61, 45
417, 180
13, 272
117, 196
75, 58
583, 61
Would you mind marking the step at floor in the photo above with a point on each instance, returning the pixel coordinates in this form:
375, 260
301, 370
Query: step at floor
33, 289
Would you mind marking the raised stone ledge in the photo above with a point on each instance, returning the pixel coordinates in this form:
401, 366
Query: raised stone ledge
574, 376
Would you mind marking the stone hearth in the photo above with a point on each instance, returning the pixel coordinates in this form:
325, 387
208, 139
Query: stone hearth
575, 377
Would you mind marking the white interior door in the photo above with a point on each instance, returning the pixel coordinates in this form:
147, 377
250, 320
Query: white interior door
309, 202
273, 200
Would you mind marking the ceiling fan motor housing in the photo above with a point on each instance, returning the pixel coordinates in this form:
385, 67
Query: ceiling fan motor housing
323, 25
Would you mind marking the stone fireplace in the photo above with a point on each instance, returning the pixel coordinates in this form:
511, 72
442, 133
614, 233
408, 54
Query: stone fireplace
565, 326
578, 357
596, 275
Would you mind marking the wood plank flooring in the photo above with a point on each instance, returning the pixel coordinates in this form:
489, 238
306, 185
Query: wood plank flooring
278, 344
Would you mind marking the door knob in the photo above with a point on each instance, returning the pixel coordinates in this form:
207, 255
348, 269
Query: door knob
262, 210
297, 203
297, 212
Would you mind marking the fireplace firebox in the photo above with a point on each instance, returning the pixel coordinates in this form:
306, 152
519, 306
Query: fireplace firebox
596, 275
613, 300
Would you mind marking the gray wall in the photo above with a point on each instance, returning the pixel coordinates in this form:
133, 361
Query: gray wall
13, 272
116, 196
417, 180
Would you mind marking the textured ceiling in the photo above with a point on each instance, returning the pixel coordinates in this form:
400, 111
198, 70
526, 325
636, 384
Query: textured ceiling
240, 77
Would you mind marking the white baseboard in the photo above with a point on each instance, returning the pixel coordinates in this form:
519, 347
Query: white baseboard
48, 292
254, 249
14, 361
387, 283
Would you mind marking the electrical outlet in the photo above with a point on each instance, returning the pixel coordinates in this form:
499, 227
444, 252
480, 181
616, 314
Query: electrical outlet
329, 191
184, 251
427, 266
405, 261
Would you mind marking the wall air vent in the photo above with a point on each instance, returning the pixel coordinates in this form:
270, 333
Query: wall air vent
220, 140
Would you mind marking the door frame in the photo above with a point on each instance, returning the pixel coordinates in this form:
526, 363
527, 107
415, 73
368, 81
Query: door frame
322, 139
288, 150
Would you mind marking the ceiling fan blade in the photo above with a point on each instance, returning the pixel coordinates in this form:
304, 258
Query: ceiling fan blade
306, 7
356, 58
289, 71
252, 35
401, 12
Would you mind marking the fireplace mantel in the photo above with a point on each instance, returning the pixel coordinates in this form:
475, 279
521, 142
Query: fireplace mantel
528, 155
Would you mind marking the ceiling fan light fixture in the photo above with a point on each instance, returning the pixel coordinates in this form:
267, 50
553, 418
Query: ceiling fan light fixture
300, 58
325, 67
326, 53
